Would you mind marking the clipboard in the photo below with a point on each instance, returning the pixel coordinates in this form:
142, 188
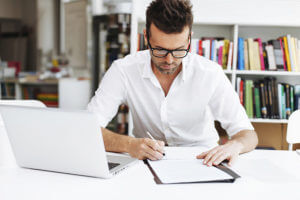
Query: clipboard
233, 176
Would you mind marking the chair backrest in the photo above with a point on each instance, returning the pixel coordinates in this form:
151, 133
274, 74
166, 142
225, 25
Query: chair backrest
6, 155
293, 129
74, 93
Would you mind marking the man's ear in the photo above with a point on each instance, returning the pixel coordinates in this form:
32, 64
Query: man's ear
145, 36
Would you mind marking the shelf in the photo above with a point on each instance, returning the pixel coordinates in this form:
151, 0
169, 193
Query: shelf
274, 121
267, 73
227, 71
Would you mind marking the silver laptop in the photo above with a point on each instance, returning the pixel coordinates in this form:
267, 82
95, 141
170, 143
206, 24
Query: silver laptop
61, 141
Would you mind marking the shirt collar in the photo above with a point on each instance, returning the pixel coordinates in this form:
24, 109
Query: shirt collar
147, 71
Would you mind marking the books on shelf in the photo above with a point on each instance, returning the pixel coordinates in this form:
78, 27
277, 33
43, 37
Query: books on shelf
49, 99
268, 99
217, 49
282, 54
7, 90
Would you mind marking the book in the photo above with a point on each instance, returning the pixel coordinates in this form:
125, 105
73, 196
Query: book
297, 97
241, 62
279, 89
251, 54
194, 46
206, 48
278, 54
283, 54
256, 56
246, 57
242, 92
264, 111
200, 49
271, 57
283, 101
266, 63
289, 44
261, 57
293, 53
269, 97
287, 55
225, 54
287, 101
257, 100
230, 55
292, 98
274, 94
220, 55
249, 98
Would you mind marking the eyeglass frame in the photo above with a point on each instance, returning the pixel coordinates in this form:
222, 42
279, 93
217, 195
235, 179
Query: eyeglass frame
169, 51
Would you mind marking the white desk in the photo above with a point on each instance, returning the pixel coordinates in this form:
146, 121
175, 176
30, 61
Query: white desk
137, 183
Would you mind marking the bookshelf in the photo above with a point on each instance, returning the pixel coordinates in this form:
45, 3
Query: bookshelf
213, 19
45, 91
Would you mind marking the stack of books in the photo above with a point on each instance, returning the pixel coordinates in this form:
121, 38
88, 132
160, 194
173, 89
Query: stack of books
282, 54
217, 49
268, 99
49, 99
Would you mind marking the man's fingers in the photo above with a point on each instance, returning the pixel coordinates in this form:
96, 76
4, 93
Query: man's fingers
149, 156
220, 158
209, 155
232, 160
202, 155
214, 158
155, 155
155, 145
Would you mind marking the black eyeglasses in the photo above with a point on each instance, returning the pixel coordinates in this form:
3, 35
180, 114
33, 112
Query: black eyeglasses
176, 53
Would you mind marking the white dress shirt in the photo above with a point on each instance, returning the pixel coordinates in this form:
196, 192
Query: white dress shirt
200, 94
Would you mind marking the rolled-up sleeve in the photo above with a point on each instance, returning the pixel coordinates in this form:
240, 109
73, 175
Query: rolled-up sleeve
109, 96
226, 107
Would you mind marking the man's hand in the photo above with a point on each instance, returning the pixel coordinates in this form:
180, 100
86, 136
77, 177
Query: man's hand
143, 148
229, 151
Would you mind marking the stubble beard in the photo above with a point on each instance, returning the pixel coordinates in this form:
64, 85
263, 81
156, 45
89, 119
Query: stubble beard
166, 71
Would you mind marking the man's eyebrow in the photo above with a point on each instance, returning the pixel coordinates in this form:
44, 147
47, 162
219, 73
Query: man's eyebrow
159, 47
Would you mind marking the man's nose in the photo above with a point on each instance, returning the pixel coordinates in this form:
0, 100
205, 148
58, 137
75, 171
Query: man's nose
169, 58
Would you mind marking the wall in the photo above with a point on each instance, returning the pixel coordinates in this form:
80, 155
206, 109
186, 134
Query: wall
26, 12
11, 9
45, 26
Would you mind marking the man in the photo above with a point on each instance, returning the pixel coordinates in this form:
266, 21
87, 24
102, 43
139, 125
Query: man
172, 94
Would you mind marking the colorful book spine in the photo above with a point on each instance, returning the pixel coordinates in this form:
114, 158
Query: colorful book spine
287, 55
241, 61
262, 65
283, 54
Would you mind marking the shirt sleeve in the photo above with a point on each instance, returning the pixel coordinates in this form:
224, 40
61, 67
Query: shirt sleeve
226, 107
109, 96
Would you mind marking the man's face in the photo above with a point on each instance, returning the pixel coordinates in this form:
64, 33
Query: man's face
161, 40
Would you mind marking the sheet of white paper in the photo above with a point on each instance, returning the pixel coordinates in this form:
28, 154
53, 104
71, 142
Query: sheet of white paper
180, 171
182, 153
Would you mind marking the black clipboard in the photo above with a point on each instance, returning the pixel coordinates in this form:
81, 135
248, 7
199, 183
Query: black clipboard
221, 167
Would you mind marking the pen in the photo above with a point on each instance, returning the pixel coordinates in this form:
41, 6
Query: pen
153, 139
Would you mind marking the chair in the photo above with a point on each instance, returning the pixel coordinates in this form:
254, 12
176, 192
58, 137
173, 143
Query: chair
74, 93
6, 155
293, 129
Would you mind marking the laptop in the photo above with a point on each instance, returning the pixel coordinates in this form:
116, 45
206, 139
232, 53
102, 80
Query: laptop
59, 140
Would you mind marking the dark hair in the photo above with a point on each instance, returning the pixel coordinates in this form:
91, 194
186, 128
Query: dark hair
169, 16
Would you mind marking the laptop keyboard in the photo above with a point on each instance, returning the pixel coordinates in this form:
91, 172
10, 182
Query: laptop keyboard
112, 165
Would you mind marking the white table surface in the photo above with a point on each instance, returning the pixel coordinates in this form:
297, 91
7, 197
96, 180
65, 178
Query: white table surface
137, 182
